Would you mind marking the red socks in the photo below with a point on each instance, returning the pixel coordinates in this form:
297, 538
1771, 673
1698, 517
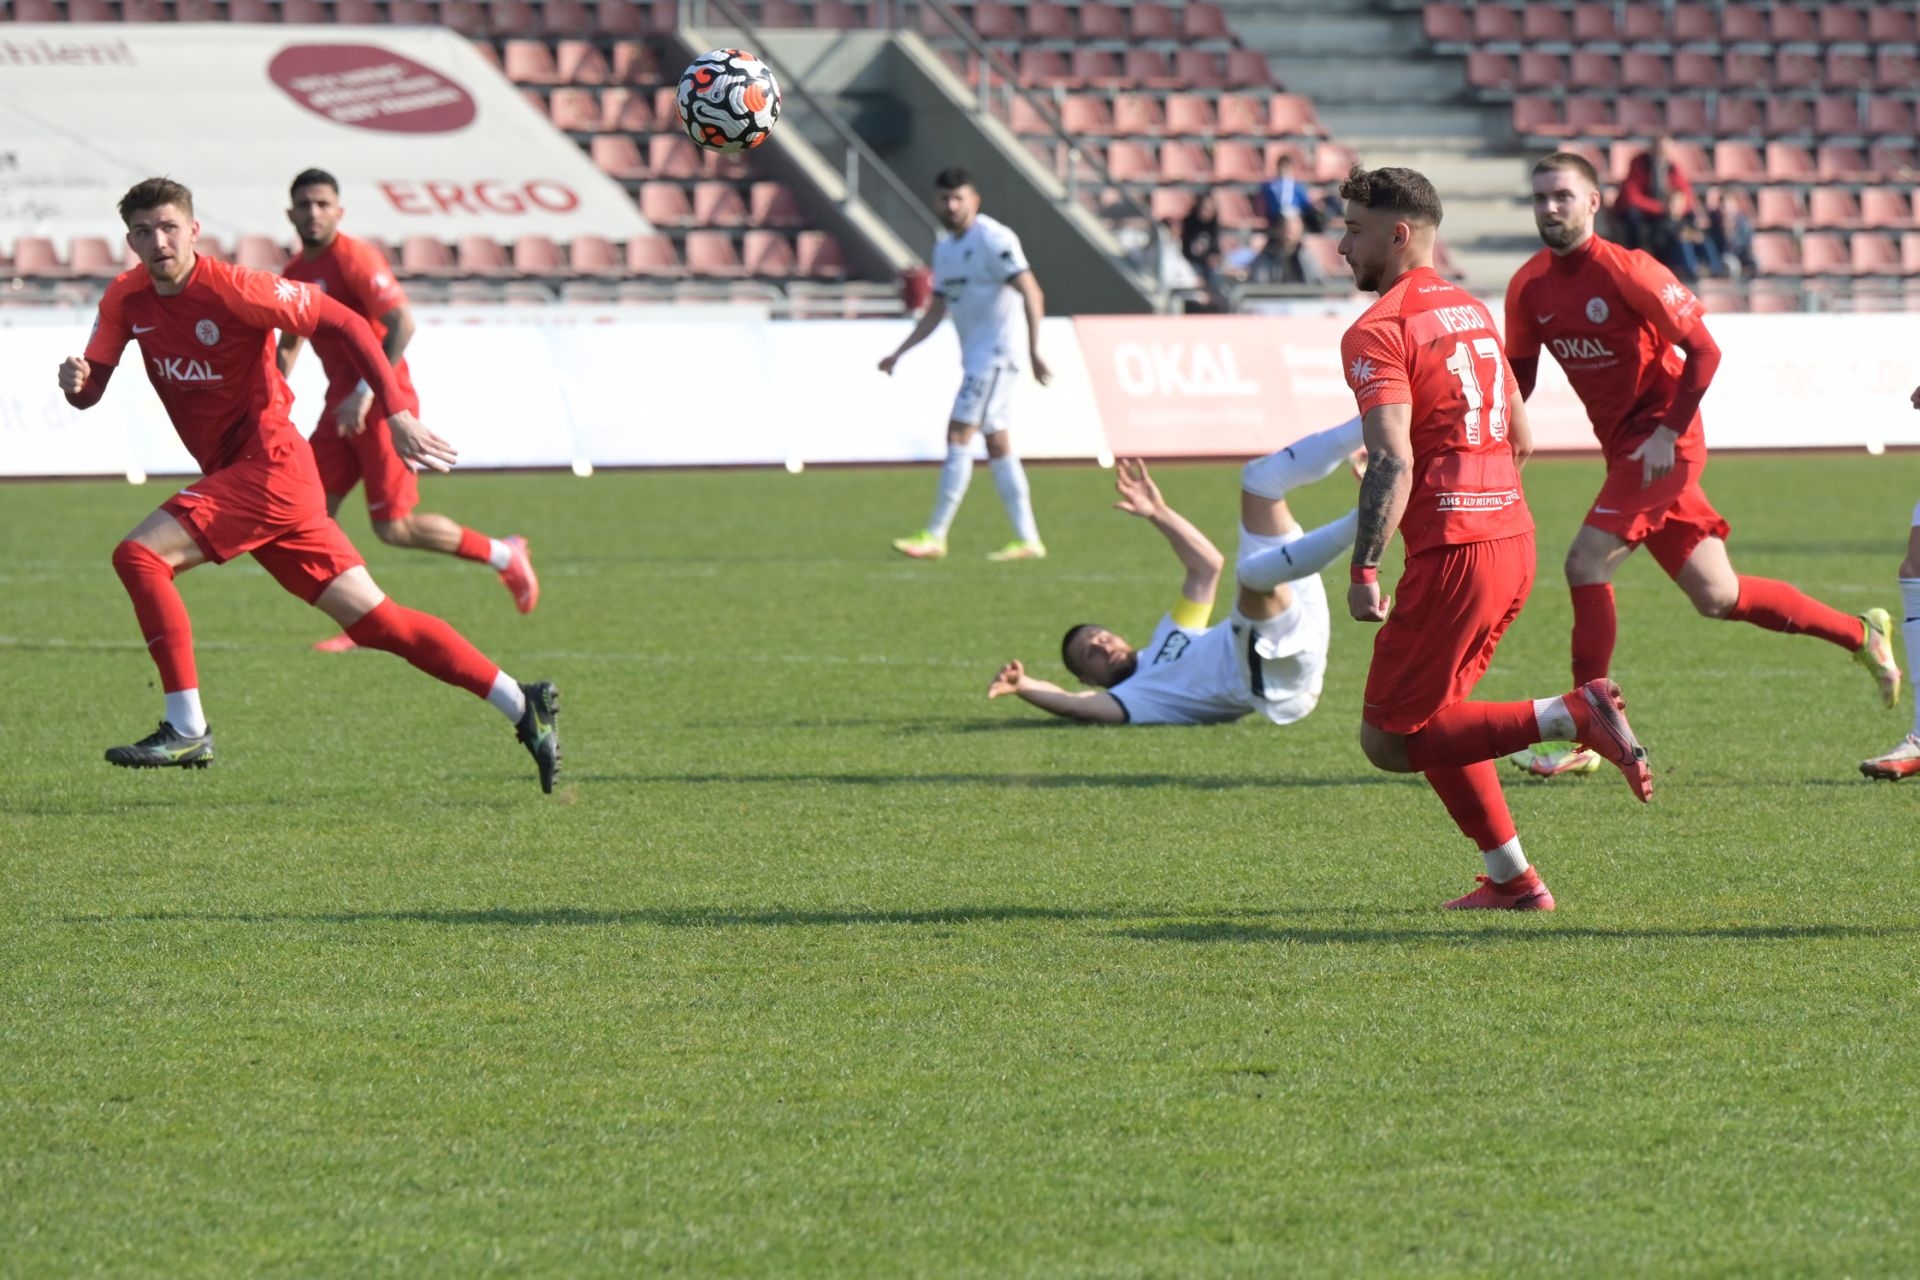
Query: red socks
1778, 606
161, 612
1472, 795
1468, 733
474, 546
428, 643
1594, 630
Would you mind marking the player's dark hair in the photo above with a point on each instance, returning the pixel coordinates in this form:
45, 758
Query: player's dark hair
314, 178
1066, 649
952, 178
1405, 193
151, 193
1568, 160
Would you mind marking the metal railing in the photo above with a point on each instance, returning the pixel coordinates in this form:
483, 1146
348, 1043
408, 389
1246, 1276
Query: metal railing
868, 179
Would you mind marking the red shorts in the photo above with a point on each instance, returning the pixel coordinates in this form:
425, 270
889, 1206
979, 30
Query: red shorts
393, 491
1450, 608
1671, 516
272, 505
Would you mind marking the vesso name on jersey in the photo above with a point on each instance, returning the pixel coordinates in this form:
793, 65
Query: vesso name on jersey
183, 369
1459, 319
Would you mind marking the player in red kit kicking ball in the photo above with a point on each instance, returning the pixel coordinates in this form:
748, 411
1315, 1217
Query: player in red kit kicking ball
1446, 436
347, 444
1613, 317
205, 333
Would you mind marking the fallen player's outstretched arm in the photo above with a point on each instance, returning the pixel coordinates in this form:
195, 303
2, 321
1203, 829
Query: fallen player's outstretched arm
1140, 496
1096, 706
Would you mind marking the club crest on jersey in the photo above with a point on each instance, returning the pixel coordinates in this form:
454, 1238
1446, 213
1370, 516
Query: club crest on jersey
1675, 294
1597, 310
1360, 373
208, 332
287, 290
184, 369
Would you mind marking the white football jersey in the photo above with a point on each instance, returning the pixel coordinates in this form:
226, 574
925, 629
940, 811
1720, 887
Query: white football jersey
971, 272
1274, 666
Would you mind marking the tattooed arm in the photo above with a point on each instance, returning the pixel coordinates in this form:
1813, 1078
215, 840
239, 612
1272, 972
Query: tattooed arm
1383, 500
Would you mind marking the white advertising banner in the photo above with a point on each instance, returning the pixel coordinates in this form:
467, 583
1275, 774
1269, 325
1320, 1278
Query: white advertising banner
723, 386
425, 137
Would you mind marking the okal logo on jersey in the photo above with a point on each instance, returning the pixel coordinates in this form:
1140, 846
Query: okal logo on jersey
208, 332
1597, 310
1580, 349
183, 369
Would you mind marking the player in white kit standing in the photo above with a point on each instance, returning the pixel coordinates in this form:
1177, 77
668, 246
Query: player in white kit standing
980, 277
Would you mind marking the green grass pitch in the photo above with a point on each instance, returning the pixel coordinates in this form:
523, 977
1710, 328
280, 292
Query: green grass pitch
819, 964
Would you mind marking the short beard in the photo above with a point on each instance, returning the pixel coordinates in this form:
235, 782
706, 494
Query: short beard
1564, 236
1122, 671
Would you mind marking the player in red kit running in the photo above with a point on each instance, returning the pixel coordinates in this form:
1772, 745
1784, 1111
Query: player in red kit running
205, 333
348, 446
1446, 436
1613, 317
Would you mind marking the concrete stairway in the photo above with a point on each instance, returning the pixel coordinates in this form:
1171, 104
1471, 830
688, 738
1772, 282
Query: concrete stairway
1379, 91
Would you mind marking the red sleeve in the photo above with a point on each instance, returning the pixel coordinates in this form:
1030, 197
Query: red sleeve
331, 320
98, 375
1658, 296
371, 280
1376, 364
1526, 374
1703, 361
268, 301
110, 332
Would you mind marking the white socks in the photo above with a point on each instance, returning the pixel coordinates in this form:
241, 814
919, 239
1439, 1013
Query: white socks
1266, 561
506, 697
1010, 478
184, 713
1310, 458
1553, 718
1504, 863
499, 555
954, 478
1910, 633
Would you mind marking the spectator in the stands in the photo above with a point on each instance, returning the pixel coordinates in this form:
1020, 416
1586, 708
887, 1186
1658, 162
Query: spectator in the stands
1730, 232
1691, 253
1643, 208
1286, 195
1200, 244
1285, 259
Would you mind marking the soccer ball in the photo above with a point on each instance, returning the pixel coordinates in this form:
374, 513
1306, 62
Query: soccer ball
729, 100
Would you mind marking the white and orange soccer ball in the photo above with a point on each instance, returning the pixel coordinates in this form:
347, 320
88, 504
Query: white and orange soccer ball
729, 100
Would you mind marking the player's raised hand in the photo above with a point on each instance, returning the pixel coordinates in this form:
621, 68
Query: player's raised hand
1655, 455
887, 363
1366, 604
417, 444
1008, 681
75, 369
1042, 371
1139, 495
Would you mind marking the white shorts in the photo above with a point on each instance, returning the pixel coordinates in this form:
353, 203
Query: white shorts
1285, 656
986, 399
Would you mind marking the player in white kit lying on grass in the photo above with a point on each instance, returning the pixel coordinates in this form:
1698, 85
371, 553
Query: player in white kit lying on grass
1269, 655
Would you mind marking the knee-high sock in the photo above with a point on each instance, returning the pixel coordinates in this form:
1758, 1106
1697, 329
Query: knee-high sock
955, 475
1472, 795
1780, 606
1010, 478
1910, 633
428, 643
1469, 732
1307, 459
162, 615
1595, 628
1266, 562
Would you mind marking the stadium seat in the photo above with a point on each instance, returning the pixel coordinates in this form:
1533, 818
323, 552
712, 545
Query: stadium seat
1491, 71
718, 204
1739, 117
1741, 23
624, 110
1150, 67
425, 256
1874, 253
1185, 162
673, 155
1540, 70
1169, 204
1882, 208
482, 256
1910, 253
1136, 113
1693, 24
1147, 21
1237, 209
1331, 162
1776, 254
1190, 115
1825, 253
1643, 23
1130, 162
1795, 69
93, 257
35, 256
1896, 70
537, 256
238, 11
143, 11
259, 253
1695, 70
819, 257
530, 62
1892, 24
1835, 162
1249, 68
1102, 22
1495, 24
1789, 162
1644, 117
1046, 21
1242, 115
1200, 21
1737, 162
666, 204
1042, 67
993, 21
1848, 69
1890, 160
574, 110
197, 11
711, 253
1832, 209
1538, 116
617, 157
1545, 24
773, 204
594, 255
1642, 70
1778, 209
1238, 162
48, 11
358, 13
1595, 24
565, 17
653, 256
1589, 70
769, 254
1889, 117
1445, 23
633, 62
1593, 117
1837, 116
579, 62
1294, 114
1788, 117
1082, 113
512, 18
1686, 116
1841, 24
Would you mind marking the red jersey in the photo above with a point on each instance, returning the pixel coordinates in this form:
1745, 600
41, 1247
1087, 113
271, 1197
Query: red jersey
1611, 317
357, 276
1431, 345
209, 353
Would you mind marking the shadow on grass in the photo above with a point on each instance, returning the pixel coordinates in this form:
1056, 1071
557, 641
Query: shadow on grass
1010, 781
1213, 931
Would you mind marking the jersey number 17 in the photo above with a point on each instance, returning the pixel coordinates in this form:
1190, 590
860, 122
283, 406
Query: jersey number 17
1482, 398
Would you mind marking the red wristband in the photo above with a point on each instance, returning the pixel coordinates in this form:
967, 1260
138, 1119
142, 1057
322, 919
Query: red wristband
1365, 573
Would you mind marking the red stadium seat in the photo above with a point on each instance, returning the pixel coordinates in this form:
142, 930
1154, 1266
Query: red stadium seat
1169, 204
1491, 71
197, 11
1833, 208
1776, 254
1542, 70
617, 157
773, 204
624, 110
1202, 21
1236, 208
1185, 162
1495, 24
464, 16
143, 11
1788, 25
1249, 68
1693, 161
1331, 162
1874, 254
1910, 253
718, 204
1644, 117
665, 204
530, 62
93, 257
1824, 253
1191, 115
1146, 21
1446, 23
1151, 68
1538, 117
259, 253
565, 17
1789, 117
537, 256
1542, 23
1040, 67
673, 155
1836, 116
836, 15
1242, 115
594, 255
1695, 70
1302, 162
1096, 69
1889, 117
1892, 160
768, 254
1595, 24
1885, 209
993, 21
1130, 162
1589, 70
426, 256
1737, 162
483, 256
1088, 114
820, 257
579, 62
653, 256
1694, 24
1046, 21
1689, 116
1642, 70
1135, 114
1841, 24
1788, 162
240, 11
1237, 162
1739, 117
1836, 163
633, 63
1892, 24
1778, 209
514, 18
1896, 69
1744, 24
1592, 117
575, 110
1294, 114
1796, 69
1643, 23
